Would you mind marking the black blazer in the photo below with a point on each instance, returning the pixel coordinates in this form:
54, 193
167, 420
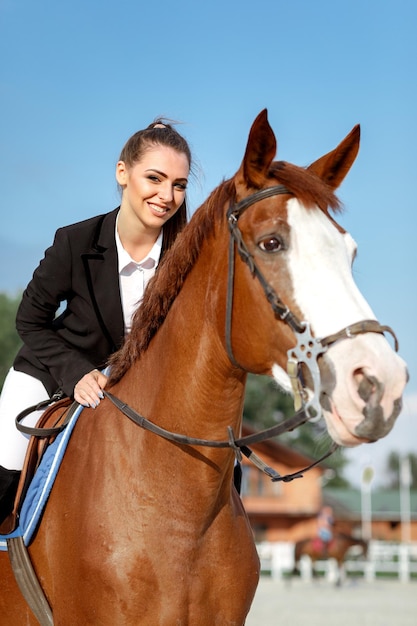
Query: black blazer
80, 269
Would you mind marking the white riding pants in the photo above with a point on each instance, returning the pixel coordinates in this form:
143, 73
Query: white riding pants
20, 391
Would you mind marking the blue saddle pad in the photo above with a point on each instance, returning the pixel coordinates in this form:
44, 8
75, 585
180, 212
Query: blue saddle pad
41, 485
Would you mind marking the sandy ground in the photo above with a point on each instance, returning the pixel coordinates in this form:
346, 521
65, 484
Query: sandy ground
356, 603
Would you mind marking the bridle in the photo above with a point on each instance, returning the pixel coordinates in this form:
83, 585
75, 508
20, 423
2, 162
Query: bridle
308, 348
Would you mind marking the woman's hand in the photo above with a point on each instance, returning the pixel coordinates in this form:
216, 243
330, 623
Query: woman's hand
88, 390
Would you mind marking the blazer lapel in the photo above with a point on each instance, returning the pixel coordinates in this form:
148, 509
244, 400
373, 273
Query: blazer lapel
102, 274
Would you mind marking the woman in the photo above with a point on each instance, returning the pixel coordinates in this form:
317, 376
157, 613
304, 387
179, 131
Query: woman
325, 523
99, 268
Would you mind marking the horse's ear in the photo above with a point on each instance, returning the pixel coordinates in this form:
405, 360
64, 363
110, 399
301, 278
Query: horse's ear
333, 166
259, 154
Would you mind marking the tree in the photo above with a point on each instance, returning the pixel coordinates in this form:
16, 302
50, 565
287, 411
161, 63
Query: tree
393, 468
9, 339
266, 405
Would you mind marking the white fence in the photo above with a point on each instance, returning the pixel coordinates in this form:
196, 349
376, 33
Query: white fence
397, 560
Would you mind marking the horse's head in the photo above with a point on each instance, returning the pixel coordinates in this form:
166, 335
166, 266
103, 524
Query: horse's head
295, 297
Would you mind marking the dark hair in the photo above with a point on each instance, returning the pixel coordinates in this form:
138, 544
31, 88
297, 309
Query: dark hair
159, 133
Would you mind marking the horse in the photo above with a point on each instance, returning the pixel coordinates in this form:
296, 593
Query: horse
145, 528
336, 549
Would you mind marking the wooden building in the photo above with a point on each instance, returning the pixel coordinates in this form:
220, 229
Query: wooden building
287, 511
281, 511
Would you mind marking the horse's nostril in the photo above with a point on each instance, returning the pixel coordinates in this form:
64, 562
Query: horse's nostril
360, 382
375, 425
366, 388
370, 390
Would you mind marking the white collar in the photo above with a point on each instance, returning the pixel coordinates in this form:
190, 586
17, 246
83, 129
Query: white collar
149, 262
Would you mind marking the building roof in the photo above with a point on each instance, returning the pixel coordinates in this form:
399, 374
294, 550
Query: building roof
385, 503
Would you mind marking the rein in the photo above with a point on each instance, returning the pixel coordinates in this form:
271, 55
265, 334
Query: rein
240, 446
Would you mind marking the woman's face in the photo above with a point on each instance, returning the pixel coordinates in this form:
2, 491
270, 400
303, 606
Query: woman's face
154, 187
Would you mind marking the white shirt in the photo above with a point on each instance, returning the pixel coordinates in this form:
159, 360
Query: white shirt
133, 277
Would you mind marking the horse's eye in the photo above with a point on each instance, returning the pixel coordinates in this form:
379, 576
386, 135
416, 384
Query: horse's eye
271, 244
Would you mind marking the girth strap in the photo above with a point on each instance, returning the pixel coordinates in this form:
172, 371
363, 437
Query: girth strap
28, 582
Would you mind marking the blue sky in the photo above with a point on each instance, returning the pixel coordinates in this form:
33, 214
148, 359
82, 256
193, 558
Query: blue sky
77, 78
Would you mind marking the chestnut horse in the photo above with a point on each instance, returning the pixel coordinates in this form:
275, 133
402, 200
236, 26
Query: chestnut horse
336, 549
141, 530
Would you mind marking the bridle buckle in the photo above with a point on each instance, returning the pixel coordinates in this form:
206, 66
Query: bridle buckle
306, 352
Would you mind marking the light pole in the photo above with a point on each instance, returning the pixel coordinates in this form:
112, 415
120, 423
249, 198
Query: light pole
366, 505
405, 483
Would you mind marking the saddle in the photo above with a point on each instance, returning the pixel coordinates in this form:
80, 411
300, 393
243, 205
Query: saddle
320, 546
51, 422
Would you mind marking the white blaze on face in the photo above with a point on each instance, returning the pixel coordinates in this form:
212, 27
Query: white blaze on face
320, 261
319, 264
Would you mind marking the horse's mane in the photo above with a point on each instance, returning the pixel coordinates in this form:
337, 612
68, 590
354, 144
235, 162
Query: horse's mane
164, 287
178, 261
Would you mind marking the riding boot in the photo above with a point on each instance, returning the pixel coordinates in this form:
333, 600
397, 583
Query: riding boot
9, 480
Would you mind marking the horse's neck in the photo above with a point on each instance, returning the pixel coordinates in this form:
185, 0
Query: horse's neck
182, 377
185, 376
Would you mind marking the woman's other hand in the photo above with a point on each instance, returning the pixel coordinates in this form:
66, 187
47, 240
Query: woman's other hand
88, 390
